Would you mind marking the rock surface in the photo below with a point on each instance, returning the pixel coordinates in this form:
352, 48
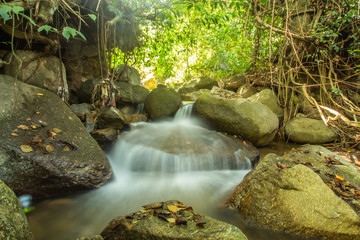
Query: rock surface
126, 92
196, 84
46, 72
162, 102
236, 81
127, 74
104, 136
170, 220
246, 91
110, 117
86, 90
269, 99
289, 194
44, 148
306, 130
254, 121
13, 222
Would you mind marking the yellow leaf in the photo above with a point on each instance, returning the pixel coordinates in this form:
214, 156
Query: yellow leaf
49, 148
66, 149
33, 126
26, 148
145, 211
171, 220
56, 130
23, 127
175, 208
339, 177
40, 94
14, 134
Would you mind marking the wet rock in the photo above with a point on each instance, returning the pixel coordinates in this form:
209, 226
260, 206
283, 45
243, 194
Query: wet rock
269, 99
196, 84
110, 117
253, 121
46, 72
162, 102
129, 93
127, 74
80, 110
301, 192
45, 160
246, 91
105, 136
170, 220
90, 122
138, 118
13, 222
306, 130
127, 111
86, 90
235, 82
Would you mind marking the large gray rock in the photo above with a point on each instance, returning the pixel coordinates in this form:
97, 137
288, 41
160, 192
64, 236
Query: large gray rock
268, 98
196, 84
254, 121
13, 222
301, 193
127, 74
171, 220
46, 72
306, 130
86, 90
192, 96
130, 93
110, 117
63, 156
236, 81
162, 102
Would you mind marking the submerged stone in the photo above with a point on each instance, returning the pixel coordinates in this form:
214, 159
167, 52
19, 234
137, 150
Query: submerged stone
170, 220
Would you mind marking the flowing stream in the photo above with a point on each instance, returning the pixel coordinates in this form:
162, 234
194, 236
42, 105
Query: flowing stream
177, 159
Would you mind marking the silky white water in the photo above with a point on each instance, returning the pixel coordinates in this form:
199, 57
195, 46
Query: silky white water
153, 162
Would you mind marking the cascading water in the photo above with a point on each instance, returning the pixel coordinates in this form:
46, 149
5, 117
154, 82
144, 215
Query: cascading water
153, 162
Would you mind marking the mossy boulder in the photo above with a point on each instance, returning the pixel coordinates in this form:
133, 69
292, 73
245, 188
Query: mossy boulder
162, 102
298, 193
196, 84
170, 220
252, 120
269, 99
306, 130
13, 222
44, 148
126, 92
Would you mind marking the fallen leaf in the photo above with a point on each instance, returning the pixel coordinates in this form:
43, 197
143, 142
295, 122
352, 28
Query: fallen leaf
66, 149
28, 119
180, 221
153, 205
339, 177
37, 139
145, 211
33, 126
37, 112
172, 208
171, 220
14, 134
26, 148
57, 130
23, 127
49, 148
40, 94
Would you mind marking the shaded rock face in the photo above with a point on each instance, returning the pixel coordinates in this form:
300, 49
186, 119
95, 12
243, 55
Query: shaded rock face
269, 99
13, 222
162, 102
306, 130
64, 157
127, 74
246, 91
300, 193
235, 82
196, 84
130, 93
254, 121
110, 117
170, 220
86, 90
46, 72
104, 136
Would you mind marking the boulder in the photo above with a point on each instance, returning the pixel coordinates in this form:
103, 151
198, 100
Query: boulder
301, 192
129, 93
110, 117
95, 237
138, 118
196, 84
223, 93
86, 90
13, 222
246, 91
236, 81
252, 120
124, 73
80, 110
306, 130
104, 136
268, 98
44, 148
170, 220
46, 72
162, 102
192, 96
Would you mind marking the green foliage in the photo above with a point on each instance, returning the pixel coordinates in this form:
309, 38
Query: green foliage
67, 32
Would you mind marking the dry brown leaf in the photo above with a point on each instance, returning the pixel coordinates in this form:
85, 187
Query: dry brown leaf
37, 112
66, 149
23, 127
28, 119
26, 148
49, 148
14, 134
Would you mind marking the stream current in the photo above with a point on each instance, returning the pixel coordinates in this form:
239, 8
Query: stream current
176, 159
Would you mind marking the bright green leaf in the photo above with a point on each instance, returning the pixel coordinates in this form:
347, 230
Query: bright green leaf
47, 28
92, 16
17, 9
81, 35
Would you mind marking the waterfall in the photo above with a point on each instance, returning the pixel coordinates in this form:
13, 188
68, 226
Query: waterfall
184, 111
